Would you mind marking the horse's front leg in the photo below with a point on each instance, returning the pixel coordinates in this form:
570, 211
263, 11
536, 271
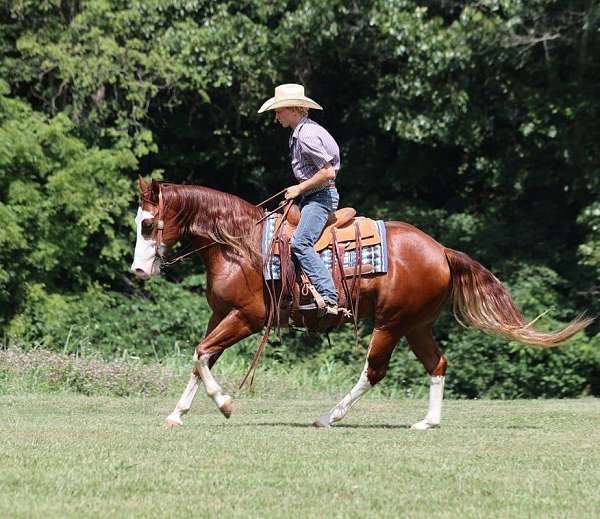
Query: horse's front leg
231, 329
185, 401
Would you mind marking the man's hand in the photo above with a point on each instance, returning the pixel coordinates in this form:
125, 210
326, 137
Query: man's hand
292, 192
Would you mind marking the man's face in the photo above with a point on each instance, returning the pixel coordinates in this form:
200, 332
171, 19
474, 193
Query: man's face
286, 117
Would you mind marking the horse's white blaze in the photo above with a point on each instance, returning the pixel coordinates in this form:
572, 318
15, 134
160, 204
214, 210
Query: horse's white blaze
144, 261
434, 414
339, 411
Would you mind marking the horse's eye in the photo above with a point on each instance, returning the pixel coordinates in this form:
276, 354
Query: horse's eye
147, 226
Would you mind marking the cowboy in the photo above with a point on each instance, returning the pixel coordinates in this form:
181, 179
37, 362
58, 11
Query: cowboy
315, 160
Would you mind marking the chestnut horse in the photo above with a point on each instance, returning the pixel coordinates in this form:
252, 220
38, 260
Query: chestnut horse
422, 276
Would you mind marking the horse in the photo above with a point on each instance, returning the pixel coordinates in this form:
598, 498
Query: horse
422, 277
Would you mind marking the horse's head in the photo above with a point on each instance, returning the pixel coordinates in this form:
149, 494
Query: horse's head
147, 257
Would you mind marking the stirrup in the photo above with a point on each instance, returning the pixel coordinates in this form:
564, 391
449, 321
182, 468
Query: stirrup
312, 306
329, 309
308, 307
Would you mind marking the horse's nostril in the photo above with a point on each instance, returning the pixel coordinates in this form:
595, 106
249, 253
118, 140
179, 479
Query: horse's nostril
141, 273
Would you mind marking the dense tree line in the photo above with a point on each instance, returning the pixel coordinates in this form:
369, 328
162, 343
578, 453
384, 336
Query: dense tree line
477, 121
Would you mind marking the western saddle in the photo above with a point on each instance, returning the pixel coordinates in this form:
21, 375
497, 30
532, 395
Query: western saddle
343, 232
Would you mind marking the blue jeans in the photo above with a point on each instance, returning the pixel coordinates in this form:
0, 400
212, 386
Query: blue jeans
315, 211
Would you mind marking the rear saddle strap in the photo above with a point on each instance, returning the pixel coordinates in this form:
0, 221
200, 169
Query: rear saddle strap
347, 296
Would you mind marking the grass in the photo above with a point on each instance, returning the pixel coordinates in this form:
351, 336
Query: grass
67, 455
36, 370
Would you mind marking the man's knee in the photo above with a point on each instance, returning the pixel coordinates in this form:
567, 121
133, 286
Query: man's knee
299, 245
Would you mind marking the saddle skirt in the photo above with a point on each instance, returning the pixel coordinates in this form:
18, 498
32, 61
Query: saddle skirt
371, 236
343, 222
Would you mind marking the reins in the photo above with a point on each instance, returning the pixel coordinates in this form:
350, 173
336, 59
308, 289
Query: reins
273, 304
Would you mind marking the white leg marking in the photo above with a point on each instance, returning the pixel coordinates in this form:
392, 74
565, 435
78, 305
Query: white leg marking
434, 415
185, 401
339, 411
213, 389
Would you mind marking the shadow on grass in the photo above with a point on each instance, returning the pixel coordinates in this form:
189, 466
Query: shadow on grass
372, 426
523, 427
311, 426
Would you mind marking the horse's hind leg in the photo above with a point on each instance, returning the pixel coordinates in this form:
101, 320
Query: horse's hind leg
425, 348
381, 346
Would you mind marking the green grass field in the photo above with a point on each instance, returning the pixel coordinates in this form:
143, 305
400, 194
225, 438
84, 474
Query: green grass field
66, 455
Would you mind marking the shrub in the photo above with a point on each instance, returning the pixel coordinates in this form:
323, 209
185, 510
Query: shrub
40, 368
162, 318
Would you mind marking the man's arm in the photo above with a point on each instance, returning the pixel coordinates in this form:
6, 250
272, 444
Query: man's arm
320, 178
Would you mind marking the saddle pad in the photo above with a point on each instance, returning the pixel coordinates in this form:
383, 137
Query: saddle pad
374, 255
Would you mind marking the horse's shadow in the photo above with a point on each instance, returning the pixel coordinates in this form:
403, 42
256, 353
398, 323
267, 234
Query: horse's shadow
309, 425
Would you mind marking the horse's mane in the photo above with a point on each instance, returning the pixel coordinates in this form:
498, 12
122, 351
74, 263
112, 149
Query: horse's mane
219, 216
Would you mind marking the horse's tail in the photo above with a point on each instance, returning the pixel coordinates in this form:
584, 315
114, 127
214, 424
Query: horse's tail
481, 301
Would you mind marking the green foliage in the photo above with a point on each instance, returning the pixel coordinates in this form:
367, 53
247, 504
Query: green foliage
108, 65
480, 367
162, 319
64, 203
40, 370
476, 121
589, 252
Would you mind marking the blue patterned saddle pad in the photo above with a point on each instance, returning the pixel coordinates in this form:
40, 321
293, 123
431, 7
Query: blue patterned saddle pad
375, 255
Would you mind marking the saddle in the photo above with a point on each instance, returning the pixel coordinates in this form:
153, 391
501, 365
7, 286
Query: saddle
349, 230
343, 232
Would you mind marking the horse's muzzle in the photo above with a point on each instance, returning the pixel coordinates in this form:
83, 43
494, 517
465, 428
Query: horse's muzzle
140, 273
145, 270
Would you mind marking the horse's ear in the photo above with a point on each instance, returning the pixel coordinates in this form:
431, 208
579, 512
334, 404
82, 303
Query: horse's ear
142, 183
154, 189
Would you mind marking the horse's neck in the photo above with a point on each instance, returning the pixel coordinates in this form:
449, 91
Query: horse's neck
223, 218
214, 207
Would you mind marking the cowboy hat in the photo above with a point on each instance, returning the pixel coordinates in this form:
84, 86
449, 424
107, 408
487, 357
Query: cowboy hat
289, 94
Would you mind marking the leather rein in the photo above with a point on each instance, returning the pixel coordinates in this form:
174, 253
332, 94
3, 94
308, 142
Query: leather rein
160, 225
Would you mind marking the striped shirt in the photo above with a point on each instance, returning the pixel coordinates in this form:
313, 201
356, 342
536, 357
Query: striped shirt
311, 148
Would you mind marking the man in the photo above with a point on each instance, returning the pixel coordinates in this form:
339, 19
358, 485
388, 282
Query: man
315, 160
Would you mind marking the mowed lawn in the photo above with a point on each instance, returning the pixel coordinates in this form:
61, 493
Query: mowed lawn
65, 455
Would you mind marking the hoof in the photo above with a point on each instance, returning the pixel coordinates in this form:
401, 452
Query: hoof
423, 425
171, 423
322, 424
226, 407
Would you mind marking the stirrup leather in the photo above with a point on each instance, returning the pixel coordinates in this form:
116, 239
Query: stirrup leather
309, 288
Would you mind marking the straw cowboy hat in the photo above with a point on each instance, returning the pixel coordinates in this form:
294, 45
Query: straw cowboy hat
289, 94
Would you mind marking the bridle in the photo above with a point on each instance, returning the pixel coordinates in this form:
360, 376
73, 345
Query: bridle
160, 226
